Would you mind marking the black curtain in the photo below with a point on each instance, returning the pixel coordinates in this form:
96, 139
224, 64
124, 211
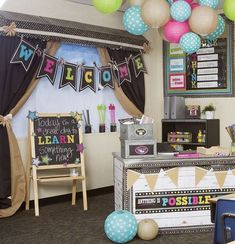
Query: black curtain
135, 90
14, 81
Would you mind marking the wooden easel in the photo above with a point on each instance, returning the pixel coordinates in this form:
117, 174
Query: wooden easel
33, 172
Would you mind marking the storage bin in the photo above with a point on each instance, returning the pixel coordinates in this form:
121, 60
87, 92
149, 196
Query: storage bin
138, 148
136, 131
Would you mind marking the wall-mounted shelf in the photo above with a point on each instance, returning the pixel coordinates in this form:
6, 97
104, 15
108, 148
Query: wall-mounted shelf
211, 128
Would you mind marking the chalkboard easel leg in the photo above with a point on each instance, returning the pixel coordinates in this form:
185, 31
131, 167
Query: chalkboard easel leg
35, 190
84, 194
74, 190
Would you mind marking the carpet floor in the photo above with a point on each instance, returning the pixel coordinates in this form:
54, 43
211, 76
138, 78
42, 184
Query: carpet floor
59, 222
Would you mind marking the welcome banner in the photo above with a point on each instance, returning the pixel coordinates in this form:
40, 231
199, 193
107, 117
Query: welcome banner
48, 67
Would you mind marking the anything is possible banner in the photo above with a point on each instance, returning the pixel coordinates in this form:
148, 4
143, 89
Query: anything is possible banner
25, 53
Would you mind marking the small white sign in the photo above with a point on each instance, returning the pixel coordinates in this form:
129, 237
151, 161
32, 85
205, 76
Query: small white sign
177, 81
207, 57
207, 64
206, 50
207, 71
207, 77
213, 84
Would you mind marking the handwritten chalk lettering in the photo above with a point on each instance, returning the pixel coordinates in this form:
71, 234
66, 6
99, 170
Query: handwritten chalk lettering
48, 122
50, 131
61, 139
65, 122
54, 150
57, 137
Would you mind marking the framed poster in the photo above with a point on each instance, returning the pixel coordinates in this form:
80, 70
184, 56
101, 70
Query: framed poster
208, 72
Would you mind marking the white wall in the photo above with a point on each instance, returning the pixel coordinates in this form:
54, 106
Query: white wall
154, 79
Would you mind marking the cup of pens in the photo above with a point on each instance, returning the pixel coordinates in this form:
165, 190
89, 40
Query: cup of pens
231, 131
101, 108
87, 121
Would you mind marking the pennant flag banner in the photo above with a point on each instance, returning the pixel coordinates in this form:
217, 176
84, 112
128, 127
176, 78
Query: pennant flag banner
69, 76
151, 180
173, 175
132, 177
220, 177
48, 68
106, 77
24, 54
199, 174
123, 73
87, 78
138, 64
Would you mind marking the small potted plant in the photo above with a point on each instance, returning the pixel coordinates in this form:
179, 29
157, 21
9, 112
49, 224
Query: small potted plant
209, 111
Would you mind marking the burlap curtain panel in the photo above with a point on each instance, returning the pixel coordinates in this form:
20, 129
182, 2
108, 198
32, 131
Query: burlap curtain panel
14, 81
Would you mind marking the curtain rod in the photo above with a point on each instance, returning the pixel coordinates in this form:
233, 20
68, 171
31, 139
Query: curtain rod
82, 38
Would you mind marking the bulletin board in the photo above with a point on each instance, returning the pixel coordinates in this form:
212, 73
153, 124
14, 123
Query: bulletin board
208, 72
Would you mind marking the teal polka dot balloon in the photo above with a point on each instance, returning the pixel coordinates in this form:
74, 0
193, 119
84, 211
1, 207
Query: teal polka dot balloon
170, 1
180, 11
211, 3
133, 22
190, 42
120, 226
219, 29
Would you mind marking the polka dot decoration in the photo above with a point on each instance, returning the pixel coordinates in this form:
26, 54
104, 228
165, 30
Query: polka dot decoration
210, 3
190, 42
219, 29
170, 1
120, 226
133, 22
180, 11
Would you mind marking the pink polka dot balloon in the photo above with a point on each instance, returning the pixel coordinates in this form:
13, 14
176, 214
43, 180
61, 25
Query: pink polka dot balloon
194, 5
173, 30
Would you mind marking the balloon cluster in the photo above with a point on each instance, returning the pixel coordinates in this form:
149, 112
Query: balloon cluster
178, 21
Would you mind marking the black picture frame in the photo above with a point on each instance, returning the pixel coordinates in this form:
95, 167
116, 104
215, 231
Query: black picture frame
179, 77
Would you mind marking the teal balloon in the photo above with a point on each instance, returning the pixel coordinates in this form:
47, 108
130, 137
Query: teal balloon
180, 11
120, 226
219, 29
170, 1
133, 22
107, 6
210, 3
190, 42
229, 9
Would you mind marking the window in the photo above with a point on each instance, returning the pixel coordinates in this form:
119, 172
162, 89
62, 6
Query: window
47, 98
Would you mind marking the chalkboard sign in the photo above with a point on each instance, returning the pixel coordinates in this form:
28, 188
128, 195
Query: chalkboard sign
208, 72
56, 139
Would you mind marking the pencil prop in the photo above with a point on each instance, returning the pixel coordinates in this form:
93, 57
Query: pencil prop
101, 108
112, 118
